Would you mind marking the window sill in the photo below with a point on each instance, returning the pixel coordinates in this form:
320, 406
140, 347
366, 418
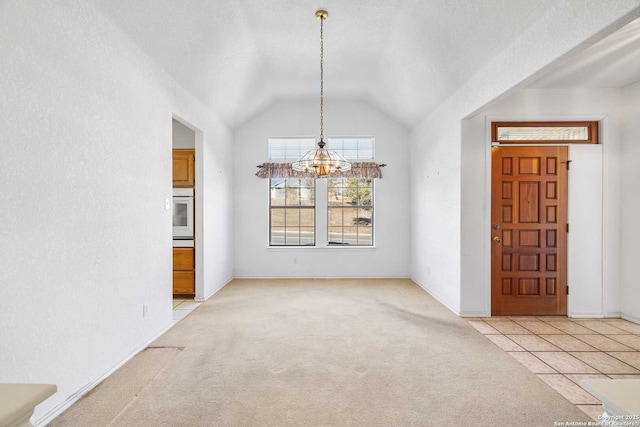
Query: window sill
321, 248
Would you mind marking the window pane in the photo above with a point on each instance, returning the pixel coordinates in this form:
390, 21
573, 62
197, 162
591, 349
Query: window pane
292, 237
293, 183
334, 196
350, 154
277, 236
289, 148
350, 144
307, 236
277, 217
307, 218
350, 216
292, 218
335, 235
308, 183
277, 192
292, 196
350, 193
364, 197
335, 217
365, 239
352, 148
548, 133
364, 217
307, 197
365, 154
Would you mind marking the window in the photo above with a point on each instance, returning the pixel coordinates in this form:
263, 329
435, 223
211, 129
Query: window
350, 211
289, 148
352, 148
292, 212
544, 132
347, 203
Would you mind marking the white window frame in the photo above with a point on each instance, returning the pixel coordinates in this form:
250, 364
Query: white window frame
357, 225
322, 202
285, 208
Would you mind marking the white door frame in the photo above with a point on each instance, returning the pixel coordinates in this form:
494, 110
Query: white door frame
578, 298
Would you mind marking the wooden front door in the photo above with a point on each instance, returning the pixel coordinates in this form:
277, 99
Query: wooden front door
529, 231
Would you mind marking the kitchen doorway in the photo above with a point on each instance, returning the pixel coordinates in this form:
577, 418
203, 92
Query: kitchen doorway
186, 245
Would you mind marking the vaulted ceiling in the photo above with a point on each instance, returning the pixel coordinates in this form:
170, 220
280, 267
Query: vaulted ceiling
403, 56
612, 62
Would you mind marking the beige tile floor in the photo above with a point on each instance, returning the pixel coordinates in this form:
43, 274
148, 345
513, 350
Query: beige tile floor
182, 307
563, 351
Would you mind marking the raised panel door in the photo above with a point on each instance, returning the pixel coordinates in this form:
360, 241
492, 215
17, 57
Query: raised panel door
528, 218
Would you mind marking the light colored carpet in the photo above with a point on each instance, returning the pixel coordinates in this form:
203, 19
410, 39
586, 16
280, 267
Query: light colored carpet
333, 353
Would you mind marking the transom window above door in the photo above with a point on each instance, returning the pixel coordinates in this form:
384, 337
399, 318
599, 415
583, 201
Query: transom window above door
545, 132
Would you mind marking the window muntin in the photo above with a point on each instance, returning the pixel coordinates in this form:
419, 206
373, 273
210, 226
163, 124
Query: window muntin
350, 211
292, 212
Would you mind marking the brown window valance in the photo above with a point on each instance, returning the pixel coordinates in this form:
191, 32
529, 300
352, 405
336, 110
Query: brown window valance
369, 170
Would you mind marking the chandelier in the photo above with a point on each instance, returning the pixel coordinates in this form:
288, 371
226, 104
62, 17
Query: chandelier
321, 162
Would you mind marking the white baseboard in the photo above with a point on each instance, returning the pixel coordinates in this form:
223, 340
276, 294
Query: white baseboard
215, 291
474, 314
55, 412
630, 318
586, 315
437, 297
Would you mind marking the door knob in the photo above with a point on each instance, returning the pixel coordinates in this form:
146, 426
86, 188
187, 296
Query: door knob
497, 239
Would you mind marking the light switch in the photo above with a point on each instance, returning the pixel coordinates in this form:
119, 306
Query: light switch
167, 204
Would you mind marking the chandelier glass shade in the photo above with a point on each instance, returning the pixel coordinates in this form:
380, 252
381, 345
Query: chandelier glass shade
321, 162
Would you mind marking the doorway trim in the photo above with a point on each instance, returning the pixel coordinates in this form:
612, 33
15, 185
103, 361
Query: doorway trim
604, 135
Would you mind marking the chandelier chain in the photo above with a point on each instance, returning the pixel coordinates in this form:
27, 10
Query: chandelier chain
321, 79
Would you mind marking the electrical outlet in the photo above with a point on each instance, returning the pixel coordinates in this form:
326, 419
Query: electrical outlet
145, 310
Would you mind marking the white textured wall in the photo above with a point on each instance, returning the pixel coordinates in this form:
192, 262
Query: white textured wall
254, 258
437, 200
594, 198
631, 203
85, 171
587, 255
214, 207
435, 210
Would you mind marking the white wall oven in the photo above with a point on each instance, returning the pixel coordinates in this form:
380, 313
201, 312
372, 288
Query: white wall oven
183, 213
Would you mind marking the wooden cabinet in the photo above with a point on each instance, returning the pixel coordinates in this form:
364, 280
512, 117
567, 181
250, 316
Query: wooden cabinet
184, 258
184, 271
184, 168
